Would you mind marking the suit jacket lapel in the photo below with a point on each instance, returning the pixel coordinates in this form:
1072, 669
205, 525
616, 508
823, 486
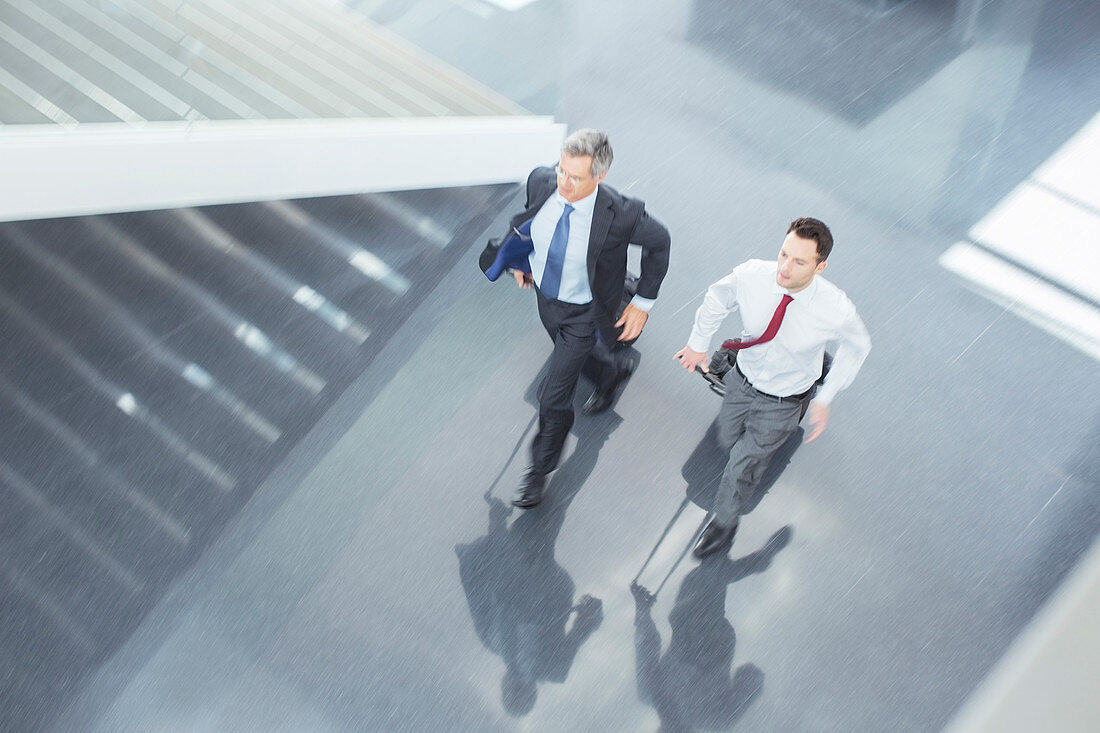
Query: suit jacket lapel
536, 204
601, 223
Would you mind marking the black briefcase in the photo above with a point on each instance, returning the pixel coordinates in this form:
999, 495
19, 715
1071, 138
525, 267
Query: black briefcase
721, 361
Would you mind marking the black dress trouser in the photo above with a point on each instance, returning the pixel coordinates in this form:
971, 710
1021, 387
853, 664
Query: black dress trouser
572, 328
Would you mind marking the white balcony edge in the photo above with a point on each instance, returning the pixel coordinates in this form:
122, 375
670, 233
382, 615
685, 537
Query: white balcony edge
53, 171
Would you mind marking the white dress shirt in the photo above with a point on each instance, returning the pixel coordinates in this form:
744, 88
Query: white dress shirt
791, 362
574, 273
575, 287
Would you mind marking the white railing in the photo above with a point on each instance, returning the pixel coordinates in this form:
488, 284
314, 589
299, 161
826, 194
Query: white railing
52, 171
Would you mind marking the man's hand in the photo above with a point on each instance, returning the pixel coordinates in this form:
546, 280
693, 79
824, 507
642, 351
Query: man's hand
523, 279
691, 359
632, 323
819, 416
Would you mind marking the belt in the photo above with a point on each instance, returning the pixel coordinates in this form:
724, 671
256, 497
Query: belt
789, 398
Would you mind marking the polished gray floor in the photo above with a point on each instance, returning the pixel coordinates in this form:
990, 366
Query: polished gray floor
157, 367
376, 581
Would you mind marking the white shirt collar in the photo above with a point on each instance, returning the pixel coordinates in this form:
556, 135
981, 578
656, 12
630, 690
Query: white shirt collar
583, 206
805, 293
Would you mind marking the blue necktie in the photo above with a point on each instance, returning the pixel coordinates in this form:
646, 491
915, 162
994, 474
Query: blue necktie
555, 257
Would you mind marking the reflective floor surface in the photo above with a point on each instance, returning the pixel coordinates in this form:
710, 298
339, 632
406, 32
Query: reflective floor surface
157, 367
377, 578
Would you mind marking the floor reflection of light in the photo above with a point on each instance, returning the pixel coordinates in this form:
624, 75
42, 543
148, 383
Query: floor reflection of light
365, 262
72, 628
425, 226
78, 447
213, 236
175, 442
1035, 253
122, 398
150, 344
247, 333
58, 519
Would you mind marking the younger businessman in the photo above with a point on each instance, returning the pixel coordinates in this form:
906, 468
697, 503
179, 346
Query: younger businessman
788, 314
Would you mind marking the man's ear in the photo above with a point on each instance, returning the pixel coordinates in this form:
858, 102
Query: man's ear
821, 267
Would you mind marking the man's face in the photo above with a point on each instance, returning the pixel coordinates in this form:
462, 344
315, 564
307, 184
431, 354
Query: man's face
575, 180
797, 263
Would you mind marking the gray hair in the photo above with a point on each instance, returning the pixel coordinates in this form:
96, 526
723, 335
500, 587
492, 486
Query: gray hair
590, 142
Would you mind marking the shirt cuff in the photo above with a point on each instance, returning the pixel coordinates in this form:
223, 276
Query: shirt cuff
698, 342
642, 304
824, 396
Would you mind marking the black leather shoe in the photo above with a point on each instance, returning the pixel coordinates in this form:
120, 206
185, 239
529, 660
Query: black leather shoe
529, 491
714, 538
601, 399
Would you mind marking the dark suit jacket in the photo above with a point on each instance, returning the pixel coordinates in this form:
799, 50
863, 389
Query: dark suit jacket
617, 221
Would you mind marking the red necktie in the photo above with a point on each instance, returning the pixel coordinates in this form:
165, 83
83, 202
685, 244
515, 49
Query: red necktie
769, 332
